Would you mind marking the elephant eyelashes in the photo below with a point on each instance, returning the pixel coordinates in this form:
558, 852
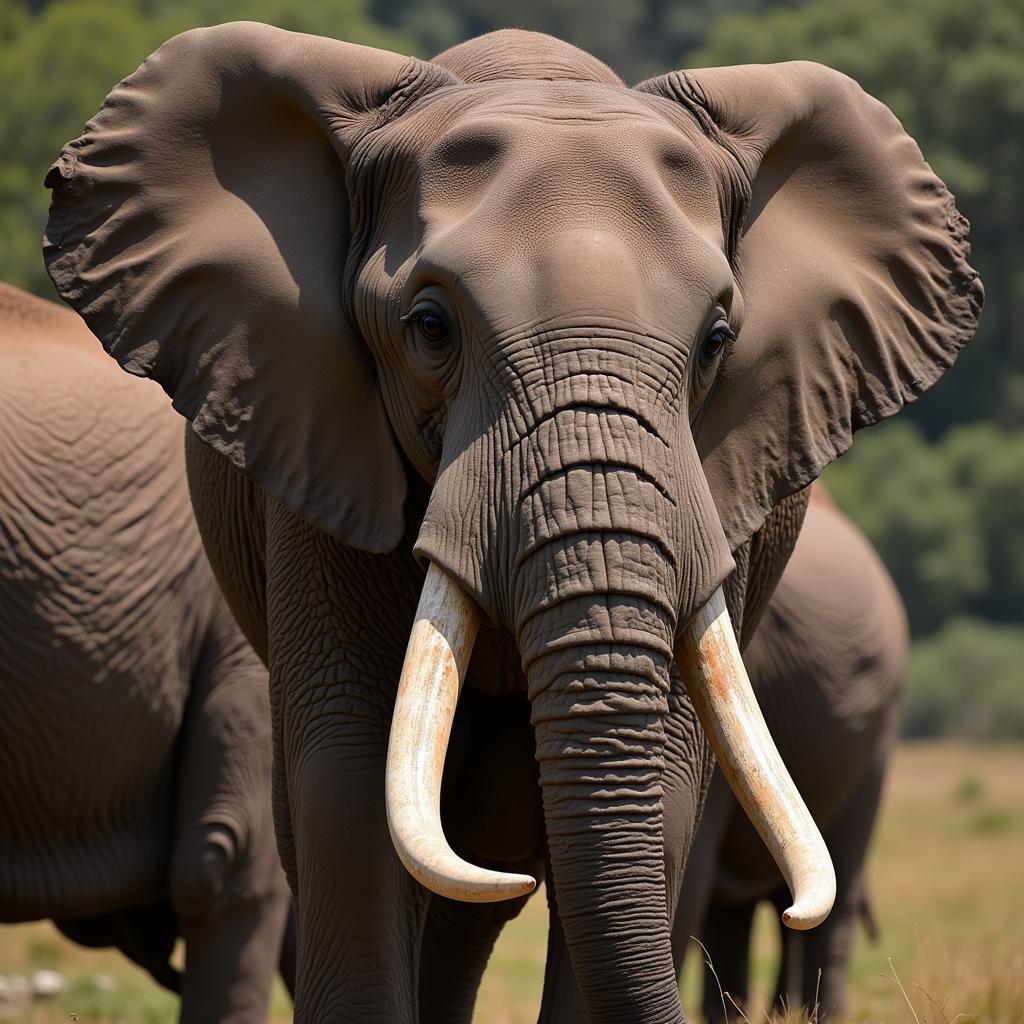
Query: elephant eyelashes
720, 335
432, 329
708, 357
430, 335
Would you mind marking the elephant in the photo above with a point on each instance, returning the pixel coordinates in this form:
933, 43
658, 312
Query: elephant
135, 741
828, 663
497, 356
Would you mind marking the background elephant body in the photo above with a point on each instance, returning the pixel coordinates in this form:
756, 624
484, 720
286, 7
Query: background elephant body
134, 743
828, 662
577, 346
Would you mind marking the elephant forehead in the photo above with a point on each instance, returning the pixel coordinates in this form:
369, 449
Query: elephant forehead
560, 145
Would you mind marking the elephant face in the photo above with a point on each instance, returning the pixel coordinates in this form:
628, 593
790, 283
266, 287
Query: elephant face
615, 328
529, 323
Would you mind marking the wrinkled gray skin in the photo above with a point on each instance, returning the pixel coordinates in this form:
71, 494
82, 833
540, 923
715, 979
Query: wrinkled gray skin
261, 222
135, 736
828, 664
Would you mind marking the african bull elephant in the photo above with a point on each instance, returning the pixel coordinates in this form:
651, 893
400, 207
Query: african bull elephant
135, 736
828, 665
555, 356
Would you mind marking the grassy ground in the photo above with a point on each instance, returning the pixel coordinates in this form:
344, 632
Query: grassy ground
947, 876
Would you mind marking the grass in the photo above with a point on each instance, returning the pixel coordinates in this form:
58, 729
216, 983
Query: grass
947, 883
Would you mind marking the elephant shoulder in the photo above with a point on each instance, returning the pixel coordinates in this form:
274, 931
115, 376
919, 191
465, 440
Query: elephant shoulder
230, 510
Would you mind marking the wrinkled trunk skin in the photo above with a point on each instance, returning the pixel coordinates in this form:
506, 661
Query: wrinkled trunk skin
596, 623
595, 531
598, 580
599, 705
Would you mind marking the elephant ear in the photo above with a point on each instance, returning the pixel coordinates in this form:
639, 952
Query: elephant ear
201, 226
851, 260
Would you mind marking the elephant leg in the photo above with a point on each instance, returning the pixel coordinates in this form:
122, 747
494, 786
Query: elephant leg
337, 621
727, 941
701, 868
561, 1002
823, 958
458, 939
826, 950
359, 913
225, 881
492, 815
286, 965
230, 960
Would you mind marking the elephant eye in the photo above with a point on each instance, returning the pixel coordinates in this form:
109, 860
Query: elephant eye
430, 327
714, 344
708, 357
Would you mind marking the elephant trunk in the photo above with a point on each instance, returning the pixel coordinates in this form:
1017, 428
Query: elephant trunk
607, 547
616, 532
598, 676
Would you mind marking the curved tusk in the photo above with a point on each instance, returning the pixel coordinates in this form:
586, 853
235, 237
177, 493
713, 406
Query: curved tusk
440, 644
709, 659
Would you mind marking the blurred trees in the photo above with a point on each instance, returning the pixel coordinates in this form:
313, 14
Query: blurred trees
966, 681
638, 38
954, 74
59, 60
940, 491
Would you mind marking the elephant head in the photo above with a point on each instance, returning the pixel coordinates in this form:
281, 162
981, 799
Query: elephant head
612, 327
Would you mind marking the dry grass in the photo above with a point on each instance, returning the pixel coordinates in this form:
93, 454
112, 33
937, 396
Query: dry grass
947, 882
947, 877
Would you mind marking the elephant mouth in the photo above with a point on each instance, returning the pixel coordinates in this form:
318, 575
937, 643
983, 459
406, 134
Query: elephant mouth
708, 657
440, 643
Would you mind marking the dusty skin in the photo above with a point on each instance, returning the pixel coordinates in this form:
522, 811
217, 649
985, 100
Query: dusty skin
580, 346
135, 737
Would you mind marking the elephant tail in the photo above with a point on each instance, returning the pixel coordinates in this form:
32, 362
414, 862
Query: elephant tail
868, 919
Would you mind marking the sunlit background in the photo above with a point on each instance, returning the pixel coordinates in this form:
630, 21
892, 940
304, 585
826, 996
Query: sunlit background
940, 491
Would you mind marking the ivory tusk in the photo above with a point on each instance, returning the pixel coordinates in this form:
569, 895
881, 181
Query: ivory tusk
440, 644
709, 659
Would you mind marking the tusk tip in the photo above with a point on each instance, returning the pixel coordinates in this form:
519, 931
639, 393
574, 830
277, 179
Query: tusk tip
501, 886
485, 887
521, 885
808, 912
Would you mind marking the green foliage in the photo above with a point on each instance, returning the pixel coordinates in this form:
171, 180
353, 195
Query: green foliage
947, 517
953, 73
341, 19
966, 680
57, 65
638, 38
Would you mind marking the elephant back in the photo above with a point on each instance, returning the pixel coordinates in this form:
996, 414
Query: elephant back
103, 596
828, 664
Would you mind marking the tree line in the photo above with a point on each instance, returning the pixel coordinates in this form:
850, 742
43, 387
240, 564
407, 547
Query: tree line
940, 491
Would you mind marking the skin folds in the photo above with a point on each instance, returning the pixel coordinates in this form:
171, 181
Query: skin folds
135, 740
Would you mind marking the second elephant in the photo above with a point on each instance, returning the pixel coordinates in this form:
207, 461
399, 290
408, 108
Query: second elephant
828, 663
134, 730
